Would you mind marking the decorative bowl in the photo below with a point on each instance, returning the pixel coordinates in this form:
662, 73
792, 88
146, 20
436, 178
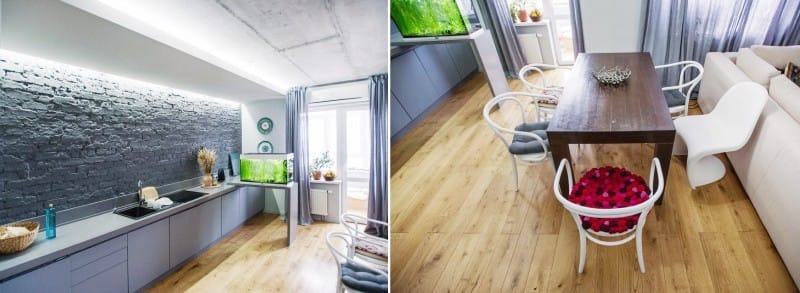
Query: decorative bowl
612, 76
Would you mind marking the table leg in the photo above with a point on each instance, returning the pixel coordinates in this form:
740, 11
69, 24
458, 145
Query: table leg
663, 151
290, 201
561, 151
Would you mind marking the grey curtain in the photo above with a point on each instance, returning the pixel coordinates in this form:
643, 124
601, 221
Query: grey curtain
678, 30
378, 200
576, 20
500, 23
297, 143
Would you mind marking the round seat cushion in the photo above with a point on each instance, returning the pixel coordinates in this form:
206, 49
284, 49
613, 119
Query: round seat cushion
608, 188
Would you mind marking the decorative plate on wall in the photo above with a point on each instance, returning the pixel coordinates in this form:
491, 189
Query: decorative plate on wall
265, 147
264, 125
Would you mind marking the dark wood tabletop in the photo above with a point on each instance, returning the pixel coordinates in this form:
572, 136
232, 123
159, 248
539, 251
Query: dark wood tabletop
591, 113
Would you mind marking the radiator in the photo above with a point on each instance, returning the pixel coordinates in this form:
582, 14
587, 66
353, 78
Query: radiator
531, 49
319, 202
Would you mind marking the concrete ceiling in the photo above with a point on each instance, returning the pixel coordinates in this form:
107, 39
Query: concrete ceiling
273, 45
284, 43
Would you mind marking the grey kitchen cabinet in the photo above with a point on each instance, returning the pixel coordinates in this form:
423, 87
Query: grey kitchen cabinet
101, 268
253, 198
411, 85
149, 250
399, 117
193, 230
464, 58
54, 277
113, 279
233, 212
439, 67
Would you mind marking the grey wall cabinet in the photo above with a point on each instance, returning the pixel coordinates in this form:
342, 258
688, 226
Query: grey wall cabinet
193, 230
149, 250
253, 198
233, 213
54, 277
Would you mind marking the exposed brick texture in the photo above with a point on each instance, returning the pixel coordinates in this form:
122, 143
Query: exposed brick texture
71, 137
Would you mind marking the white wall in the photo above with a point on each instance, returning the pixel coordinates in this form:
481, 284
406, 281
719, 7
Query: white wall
274, 109
613, 25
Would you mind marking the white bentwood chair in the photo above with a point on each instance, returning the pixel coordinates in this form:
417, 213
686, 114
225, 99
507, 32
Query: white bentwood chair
577, 211
546, 106
354, 274
372, 249
727, 128
678, 95
526, 141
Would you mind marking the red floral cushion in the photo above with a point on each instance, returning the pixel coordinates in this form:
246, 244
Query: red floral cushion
371, 249
608, 188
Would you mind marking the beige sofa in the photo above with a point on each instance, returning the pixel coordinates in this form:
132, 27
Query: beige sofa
769, 165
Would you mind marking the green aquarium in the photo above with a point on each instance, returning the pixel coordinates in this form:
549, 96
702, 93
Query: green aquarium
267, 168
429, 18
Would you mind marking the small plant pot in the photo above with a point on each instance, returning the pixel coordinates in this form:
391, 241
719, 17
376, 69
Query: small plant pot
317, 175
330, 178
536, 18
522, 14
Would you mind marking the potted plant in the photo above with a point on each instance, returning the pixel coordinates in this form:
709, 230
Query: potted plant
319, 163
522, 12
514, 10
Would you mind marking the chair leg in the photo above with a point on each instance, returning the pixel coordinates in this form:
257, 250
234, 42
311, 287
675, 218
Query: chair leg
704, 170
639, 251
582, 261
514, 169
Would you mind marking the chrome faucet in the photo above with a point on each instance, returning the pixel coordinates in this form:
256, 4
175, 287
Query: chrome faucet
141, 196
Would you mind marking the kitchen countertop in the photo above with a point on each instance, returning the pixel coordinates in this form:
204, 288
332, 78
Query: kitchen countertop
83, 234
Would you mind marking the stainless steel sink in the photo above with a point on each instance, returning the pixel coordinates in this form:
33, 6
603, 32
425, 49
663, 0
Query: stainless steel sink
184, 196
135, 212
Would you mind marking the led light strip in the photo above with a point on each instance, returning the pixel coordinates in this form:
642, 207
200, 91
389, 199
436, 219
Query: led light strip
11, 56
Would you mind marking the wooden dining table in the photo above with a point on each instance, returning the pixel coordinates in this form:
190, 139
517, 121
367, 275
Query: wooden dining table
591, 113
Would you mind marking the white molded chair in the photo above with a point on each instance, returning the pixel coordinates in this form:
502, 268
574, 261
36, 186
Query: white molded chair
727, 128
352, 272
369, 248
678, 95
527, 141
546, 106
577, 211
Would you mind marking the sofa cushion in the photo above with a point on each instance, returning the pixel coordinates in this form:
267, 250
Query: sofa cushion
786, 94
758, 70
777, 56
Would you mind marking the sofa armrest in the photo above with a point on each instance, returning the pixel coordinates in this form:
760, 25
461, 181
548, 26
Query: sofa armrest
720, 74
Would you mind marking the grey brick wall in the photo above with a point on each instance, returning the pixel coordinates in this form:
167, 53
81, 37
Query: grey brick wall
72, 137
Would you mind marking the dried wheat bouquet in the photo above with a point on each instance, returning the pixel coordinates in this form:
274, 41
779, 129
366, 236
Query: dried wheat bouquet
206, 159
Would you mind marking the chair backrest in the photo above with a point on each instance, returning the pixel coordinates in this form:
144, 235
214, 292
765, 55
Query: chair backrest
527, 69
738, 110
511, 98
685, 88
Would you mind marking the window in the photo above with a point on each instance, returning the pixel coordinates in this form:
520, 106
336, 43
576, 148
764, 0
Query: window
343, 130
558, 12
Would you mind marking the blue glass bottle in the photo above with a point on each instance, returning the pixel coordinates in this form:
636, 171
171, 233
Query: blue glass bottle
50, 221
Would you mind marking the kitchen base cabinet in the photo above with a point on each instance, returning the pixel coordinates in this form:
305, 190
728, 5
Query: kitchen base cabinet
193, 230
114, 279
54, 277
149, 250
253, 198
233, 213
